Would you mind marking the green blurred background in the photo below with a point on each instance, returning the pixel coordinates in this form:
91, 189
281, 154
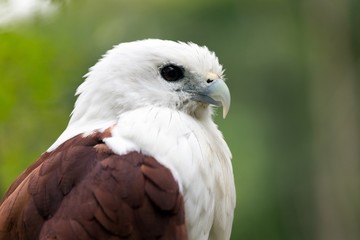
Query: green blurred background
293, 70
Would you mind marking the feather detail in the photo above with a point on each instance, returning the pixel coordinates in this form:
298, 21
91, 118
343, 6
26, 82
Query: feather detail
83, 190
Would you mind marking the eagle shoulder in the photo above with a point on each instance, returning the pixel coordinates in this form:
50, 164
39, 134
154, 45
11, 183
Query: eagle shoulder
83, 190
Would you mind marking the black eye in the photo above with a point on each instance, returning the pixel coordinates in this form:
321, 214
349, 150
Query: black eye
172, 73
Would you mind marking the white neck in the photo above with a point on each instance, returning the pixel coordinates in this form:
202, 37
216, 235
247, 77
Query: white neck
196, 154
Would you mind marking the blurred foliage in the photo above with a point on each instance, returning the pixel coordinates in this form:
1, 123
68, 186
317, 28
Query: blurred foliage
293, 69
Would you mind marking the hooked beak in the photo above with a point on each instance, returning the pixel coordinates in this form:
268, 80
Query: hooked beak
217, 93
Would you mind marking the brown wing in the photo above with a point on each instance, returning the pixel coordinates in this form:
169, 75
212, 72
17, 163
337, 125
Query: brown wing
82, 190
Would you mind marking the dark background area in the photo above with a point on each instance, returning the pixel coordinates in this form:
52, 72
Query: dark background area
293, 71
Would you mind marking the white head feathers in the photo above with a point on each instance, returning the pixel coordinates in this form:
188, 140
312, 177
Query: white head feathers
129, 77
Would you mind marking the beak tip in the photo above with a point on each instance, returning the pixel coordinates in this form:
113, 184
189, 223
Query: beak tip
225, 111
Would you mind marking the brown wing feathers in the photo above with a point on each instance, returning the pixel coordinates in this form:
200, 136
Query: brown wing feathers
82, 190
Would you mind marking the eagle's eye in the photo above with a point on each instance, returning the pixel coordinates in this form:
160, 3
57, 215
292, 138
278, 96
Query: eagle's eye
172, 72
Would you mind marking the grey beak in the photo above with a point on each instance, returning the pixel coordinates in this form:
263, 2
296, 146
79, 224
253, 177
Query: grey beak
218, 94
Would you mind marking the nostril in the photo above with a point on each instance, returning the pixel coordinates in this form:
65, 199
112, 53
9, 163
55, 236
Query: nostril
209, 81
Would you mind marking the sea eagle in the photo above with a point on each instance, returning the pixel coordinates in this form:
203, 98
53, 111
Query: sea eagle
141, 157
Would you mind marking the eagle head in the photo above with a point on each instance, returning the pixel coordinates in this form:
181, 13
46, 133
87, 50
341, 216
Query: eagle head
177, 75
